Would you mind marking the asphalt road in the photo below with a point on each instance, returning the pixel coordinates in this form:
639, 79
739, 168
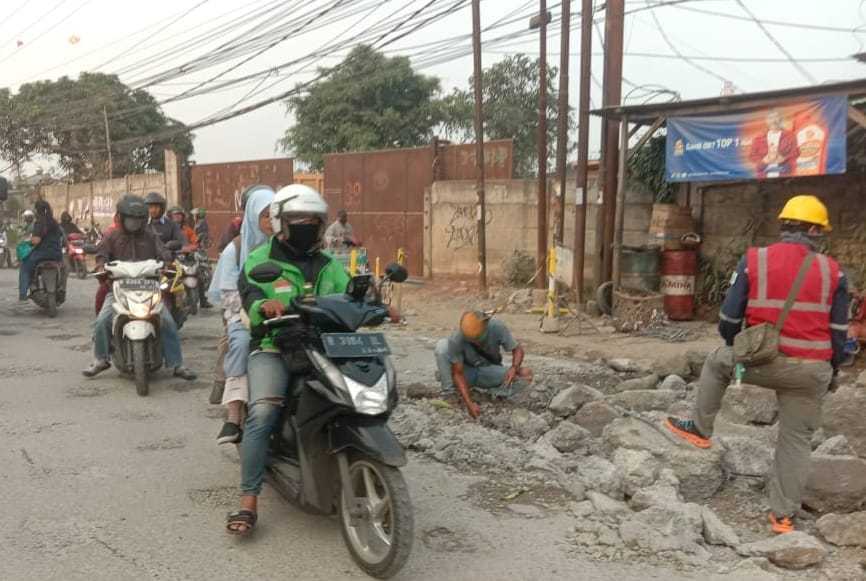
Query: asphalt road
98, 483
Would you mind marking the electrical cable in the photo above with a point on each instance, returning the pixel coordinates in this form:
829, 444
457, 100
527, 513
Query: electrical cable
46, 31
809, 77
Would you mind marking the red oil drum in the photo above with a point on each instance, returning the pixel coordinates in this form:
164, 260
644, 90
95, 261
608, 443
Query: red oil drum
678, 271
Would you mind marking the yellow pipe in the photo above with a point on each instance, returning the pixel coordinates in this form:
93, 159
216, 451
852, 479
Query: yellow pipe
378, 269
353, 262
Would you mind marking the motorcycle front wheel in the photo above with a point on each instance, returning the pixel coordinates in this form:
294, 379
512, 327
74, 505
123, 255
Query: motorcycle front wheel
192, 301
139, 367
80, 269
381, 539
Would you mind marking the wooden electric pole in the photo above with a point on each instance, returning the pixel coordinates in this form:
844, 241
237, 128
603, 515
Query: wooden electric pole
541, 245
582, 149
562, 125
108, 143
479, 145
612, 96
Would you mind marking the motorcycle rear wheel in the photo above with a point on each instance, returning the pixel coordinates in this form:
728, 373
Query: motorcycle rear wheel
139, 368
80, 269
381, 541
51, 304
192, 301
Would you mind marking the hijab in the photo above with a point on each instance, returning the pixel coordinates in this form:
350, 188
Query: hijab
227, 271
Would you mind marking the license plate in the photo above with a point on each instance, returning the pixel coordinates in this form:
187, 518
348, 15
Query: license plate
139, 284
355, 344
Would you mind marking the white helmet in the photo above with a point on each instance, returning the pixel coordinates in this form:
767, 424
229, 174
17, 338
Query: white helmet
297, 199
29, 214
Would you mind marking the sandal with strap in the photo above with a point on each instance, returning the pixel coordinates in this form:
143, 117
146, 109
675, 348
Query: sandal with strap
241, 522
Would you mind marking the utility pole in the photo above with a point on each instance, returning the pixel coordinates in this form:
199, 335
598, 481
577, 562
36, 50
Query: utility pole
108, 143
613, 47
582, 198
479, 145
541, 246
562, 129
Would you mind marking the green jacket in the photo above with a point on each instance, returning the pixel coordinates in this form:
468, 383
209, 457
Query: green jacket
327, 275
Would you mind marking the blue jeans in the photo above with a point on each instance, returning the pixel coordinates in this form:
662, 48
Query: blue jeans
269, 384
235, 362
28, 268
487, 377
171, 353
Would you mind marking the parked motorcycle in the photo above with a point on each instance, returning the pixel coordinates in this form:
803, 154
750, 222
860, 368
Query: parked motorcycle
136, 345
335, 451
48, 287
75, 256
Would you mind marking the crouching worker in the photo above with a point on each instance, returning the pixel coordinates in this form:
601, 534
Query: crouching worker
472, 358
255, 230
803, 294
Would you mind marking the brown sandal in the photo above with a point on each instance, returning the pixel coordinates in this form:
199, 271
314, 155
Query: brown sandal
241, 518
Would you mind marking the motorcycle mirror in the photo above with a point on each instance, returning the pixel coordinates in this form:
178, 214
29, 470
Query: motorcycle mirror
90, 248
358, 286
396, 273
174, 245
266, 272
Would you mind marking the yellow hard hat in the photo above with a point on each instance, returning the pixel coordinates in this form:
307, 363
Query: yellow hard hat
473, 325
807, 209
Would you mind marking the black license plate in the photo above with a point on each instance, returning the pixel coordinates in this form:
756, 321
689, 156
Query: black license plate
139, 284
355, 344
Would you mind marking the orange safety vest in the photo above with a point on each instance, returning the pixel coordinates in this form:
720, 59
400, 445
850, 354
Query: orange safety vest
771, 271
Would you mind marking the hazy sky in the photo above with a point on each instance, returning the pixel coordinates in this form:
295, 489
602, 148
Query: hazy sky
65, 37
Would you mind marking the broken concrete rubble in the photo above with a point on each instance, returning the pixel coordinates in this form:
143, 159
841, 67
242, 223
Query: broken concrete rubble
673, 383
642, 383
796, 550
598, 473
745, 456
639, 468
572, 398
674, 527
623, 365
595, 416
748, 404
843, 414
717, 532
836, 484
835, 446
844, 529
568, 436
675, 365
645, 400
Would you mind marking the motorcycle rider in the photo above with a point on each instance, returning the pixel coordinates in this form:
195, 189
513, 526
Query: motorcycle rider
234, 347
165, 228
133, 241
69, 227
46, 239
202, 229
178, 216
26, 229
298, 215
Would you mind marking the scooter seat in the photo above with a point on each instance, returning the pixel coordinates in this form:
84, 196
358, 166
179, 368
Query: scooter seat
49, 264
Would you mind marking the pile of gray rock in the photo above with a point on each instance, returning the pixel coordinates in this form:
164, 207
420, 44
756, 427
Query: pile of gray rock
638, 491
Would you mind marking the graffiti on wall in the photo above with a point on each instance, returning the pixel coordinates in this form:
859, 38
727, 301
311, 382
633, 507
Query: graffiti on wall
462, 228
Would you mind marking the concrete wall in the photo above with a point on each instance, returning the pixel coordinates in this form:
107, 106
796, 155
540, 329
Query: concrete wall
451, 244
99, 198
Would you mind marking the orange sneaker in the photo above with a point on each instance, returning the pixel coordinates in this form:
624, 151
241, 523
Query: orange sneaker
781, 525
687, 430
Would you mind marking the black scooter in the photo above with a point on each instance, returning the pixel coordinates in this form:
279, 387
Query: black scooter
334, 451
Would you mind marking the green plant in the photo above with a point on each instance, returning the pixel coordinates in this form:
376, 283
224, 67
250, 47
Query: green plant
647, 168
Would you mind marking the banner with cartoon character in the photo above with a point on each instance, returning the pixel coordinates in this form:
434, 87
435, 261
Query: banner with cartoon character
806, 138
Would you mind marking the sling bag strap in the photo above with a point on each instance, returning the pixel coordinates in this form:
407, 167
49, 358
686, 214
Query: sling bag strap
795, 290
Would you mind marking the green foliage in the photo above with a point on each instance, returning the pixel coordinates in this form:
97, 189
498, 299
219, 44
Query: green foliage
369, 101
647, 167
64, 118
510, 93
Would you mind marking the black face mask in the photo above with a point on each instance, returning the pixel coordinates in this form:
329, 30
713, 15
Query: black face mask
303, 237
133, 225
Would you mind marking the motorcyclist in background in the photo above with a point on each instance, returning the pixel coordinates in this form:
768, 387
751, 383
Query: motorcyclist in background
166, 229
68, 226
178, 216
133, 241
202, 229
47, 239
26, 229
298, 215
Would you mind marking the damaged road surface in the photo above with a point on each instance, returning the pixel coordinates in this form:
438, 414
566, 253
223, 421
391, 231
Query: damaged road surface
101, 484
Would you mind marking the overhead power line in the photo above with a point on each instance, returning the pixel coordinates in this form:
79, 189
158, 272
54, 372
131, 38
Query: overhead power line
767, 21
778, 44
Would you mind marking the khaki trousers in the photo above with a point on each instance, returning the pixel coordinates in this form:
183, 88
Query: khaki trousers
800, 385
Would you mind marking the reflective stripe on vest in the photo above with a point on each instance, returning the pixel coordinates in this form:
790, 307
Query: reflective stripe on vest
806, 332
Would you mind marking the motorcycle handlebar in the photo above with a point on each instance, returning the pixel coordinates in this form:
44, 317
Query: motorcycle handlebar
277, 321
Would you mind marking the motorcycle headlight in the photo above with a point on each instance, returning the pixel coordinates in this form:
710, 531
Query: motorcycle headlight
368, 400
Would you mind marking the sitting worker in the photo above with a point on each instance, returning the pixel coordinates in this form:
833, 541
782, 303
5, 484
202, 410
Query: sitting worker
133, 241
340, 235
811, 346
472, 357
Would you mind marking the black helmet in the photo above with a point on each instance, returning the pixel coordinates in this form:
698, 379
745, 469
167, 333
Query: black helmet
132, 206
154, 198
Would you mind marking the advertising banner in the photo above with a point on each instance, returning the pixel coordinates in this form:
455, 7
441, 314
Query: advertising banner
797, 139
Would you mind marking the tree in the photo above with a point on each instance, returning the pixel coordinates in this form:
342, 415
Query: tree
368, 101
66, 118
510, 91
